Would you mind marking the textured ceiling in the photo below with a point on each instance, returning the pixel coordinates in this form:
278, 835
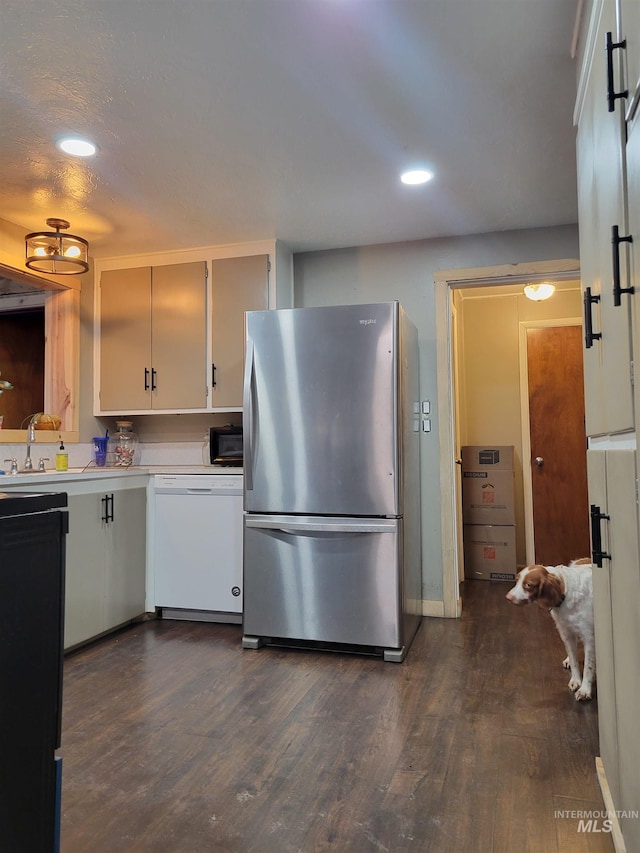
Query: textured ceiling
223, 121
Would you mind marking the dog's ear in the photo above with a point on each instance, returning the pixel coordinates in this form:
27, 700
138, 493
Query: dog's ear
550, 591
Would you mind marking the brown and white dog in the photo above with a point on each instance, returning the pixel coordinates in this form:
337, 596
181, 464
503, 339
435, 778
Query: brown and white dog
567, 593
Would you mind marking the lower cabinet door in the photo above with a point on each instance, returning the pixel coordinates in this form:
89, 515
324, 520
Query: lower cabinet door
612, 492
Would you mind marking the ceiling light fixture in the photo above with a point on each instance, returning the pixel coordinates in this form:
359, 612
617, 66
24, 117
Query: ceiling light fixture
56, 253
76, 146
416, 176
539, 292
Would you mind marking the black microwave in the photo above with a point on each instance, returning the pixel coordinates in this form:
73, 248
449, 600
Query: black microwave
225, 445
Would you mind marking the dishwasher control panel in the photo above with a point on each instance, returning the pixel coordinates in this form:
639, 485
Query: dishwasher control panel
195, 483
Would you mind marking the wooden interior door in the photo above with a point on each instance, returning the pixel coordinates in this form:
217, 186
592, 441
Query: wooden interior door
558, 444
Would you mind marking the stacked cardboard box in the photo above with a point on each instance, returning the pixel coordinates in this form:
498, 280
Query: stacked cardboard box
488, 512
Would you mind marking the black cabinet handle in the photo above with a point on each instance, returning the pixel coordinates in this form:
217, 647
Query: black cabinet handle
597, 554
589, 335
213, 376
107, 508
146, 379
612, 96
616, 239
154, 384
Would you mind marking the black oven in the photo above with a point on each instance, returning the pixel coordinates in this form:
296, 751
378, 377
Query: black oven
225, 445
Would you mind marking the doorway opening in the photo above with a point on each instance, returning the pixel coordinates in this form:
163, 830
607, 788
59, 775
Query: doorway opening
482, 323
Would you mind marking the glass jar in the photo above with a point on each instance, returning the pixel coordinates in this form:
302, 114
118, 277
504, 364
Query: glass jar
124, 445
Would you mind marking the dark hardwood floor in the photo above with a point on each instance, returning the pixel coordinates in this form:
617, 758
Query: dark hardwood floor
175, 739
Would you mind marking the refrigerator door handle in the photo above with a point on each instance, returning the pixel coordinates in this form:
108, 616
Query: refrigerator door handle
351, 526
247, 416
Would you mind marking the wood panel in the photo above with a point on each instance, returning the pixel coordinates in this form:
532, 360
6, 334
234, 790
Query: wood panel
175, 739
556, 422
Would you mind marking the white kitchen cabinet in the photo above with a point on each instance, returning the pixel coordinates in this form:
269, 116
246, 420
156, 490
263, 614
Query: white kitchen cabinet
105, 553
237, 285
601, 206
612, 490
608, 196
153, 339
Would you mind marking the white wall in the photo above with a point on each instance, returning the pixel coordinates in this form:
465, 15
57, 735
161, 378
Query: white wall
405, 271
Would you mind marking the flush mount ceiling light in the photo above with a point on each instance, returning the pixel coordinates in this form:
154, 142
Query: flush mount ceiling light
76, 146
416, 176
56, 253
539, 292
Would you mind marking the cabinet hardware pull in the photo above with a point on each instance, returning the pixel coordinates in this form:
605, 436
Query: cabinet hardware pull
154, 384
611, 95
105, 508
110, 515
616, 239
213, 376
597, 554
146, 379
589, 335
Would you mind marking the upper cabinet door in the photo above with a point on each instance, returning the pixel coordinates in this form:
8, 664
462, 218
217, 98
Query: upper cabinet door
238, 285
601, 206
153, 339
125, 340
630, 32
179, 337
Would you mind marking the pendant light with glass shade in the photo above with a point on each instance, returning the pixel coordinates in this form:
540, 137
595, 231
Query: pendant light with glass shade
539, 292
57, 253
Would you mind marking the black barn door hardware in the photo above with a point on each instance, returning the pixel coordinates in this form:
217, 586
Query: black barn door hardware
616, 239
597, 554
589, 335
612, 96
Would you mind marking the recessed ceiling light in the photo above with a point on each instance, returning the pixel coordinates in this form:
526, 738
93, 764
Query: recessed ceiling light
76, 146
416, 176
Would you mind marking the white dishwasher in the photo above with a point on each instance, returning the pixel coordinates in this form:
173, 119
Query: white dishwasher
198, 546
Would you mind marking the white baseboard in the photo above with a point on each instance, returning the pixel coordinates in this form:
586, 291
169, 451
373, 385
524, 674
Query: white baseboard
433, 608
616, 834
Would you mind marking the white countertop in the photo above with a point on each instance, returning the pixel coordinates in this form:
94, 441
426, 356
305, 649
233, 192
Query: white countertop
93, 473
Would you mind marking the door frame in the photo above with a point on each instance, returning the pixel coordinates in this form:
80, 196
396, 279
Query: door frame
527, 480
444, 282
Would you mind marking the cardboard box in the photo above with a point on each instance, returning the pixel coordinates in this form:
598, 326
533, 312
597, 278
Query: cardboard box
490, 552
488, 485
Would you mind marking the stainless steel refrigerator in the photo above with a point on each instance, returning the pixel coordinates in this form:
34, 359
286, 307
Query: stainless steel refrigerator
331, 478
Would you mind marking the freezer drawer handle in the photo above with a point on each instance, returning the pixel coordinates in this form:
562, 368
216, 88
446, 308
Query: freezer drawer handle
613, 96
616, 239
597, 554
589, 335
323, 526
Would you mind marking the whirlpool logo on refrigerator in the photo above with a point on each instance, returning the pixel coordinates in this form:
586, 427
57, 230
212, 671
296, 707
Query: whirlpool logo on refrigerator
367, 322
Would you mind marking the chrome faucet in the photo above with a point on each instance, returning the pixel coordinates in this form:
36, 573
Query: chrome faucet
31, 437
